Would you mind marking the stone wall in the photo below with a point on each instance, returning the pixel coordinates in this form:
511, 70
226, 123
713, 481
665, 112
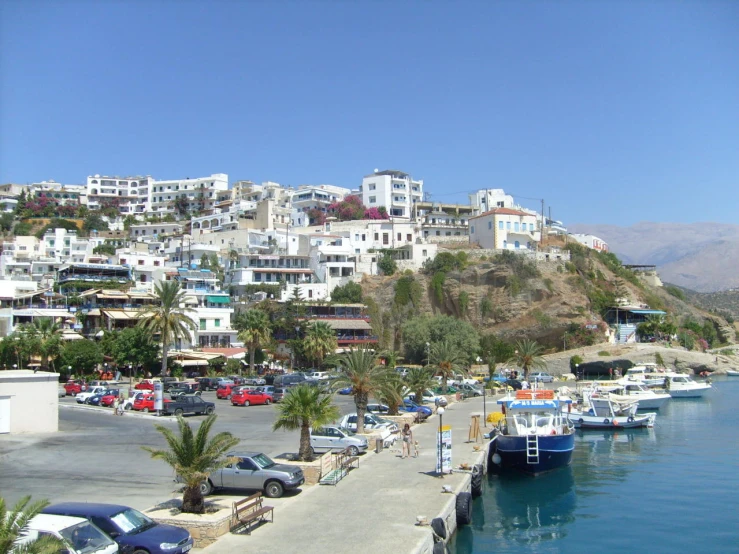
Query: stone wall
204, 528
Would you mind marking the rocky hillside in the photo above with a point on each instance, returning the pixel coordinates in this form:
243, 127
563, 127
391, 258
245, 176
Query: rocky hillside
514, 298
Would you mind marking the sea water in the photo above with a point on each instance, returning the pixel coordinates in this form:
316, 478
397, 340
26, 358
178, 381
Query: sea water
673, 488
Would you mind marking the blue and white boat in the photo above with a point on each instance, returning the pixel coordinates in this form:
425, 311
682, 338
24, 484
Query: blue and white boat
534, 436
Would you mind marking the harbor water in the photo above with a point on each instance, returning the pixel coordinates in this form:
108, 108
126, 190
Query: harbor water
673, 488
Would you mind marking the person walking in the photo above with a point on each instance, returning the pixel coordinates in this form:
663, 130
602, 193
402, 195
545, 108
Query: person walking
116, 405
407, 440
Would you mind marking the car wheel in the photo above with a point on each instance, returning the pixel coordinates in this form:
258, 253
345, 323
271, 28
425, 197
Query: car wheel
178, 412
267, 402
353, 451
246, 403
127, 407
146, 410
209, 410
206, 488
274, 489
312, 452
140, 551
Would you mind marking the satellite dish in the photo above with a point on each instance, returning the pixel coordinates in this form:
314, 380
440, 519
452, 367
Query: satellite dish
376, 170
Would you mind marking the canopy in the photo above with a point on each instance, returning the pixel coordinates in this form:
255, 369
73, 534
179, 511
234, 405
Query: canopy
218, 299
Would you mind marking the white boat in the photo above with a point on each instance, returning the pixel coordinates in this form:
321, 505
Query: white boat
683, 386
646, 374
732, 372
602, 411
648, 398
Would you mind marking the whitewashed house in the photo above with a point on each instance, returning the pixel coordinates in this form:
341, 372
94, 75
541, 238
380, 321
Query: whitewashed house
505, 229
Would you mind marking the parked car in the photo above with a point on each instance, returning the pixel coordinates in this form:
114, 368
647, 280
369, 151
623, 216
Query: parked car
133, 531
318, 375
371, 421
430, 398
332, 438
169, 382
378, 408
470, 390
208, 383
97, 399
254, 471
225, 390
188, 404
515, 384
254, 381
269, 389
62, 391
146, 403
224, 381
541, 377
184, 388
79, 535
289, 380
74, 387
129, 402
245, 396
422, 412
109, 397
279, 393
346, 390
91, 391
146, 384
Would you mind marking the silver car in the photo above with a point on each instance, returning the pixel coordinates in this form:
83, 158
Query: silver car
332, 438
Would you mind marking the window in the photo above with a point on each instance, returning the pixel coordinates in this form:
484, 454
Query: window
246, 465
141, 262
409, 237
156, 263
257, 277
310, 293
490, 224
424, 253
508, 225
515, 226
372, 199
472, 230
516, 244
372, 187
123, 261
385, 238
377, 236
364, 237
218, 322
400, 236
500, 225
202, 325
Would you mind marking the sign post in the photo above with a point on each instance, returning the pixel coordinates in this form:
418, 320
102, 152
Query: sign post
158, 397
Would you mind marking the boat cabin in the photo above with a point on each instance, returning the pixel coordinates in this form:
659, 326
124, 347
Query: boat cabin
534, 413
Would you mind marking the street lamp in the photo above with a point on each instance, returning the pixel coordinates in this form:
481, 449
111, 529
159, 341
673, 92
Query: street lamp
428, 353
130, 378
440, 461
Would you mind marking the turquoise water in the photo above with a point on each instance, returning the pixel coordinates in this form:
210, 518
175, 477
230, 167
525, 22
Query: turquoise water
674, 488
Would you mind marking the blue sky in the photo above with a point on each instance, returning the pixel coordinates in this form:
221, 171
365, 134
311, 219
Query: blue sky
613, 112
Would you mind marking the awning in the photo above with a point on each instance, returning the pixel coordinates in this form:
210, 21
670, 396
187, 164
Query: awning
112, 296
346, 323
121, 315
218, 299
191, 363
95, 312
71, 336
646, 312
191, 300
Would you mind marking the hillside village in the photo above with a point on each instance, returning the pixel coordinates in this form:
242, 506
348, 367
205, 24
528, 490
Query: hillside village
89, 257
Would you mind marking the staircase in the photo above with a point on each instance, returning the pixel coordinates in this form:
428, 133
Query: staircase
626, 333
532, 449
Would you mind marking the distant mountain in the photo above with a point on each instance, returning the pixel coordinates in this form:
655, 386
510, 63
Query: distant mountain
700, 256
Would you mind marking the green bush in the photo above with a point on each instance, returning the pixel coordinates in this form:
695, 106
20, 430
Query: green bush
351, 293
486, 306
387, 264
549, 284
675, 291
604, 353
408, 291
574, 362
464, 302
437, 285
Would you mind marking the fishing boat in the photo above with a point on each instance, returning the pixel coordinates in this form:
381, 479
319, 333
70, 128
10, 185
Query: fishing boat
534, 437
603, 411
648, 398
732, 372
683, 386
646, 374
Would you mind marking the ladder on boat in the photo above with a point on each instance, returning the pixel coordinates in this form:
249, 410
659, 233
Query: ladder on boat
532, 449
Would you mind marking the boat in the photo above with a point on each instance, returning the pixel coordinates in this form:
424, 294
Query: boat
646, 374
648, 398
732, 372
603, 411
534, 437
683, 386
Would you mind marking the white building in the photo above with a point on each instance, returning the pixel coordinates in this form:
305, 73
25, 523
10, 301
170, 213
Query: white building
591, 241
29, 402
315, 197
153, 231
398, 192
197, 194
485, 200
131, 195
505, 229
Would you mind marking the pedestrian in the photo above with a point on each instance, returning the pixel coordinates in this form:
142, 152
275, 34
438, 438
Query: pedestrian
610, 372
407, 440
116, 404
436, 404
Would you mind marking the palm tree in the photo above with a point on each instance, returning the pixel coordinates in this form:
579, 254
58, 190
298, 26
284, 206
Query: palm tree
391, 393
446, 360
360, 371
254, 332
320, 340
194, 458
49, 335
305, 406
528, 356
14, 524
418, 379
169, 319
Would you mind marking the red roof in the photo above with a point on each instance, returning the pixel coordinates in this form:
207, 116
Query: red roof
503, 211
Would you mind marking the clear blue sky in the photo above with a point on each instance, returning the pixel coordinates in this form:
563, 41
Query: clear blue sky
613, 112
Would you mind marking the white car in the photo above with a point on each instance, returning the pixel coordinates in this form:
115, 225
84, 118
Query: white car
78, 534
91, 391
428, 398
318, 375
128, 402
371, 421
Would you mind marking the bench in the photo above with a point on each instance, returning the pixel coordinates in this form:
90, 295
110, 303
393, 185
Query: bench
347, 461
247, 511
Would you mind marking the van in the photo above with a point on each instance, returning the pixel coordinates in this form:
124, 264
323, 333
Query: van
78, 534
289, 380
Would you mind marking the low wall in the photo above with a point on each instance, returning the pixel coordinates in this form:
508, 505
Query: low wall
311, 470
205, 529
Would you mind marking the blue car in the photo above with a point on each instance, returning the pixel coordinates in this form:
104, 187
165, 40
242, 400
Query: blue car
410, 406
133, 531
346, 390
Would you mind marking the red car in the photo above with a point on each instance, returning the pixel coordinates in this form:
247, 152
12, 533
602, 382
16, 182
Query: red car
146, 384
75, 387
248, 397
108, 400
146, 403
225, 391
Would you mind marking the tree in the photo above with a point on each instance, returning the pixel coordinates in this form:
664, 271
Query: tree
83, 355
169, 319
351, 293
6, 222
49, 335
23, 229
418, 379
445, 360
360, 371
134, 346
420, 330
495, 351
14, 525
320, 340
391, 392
194, 457
254, 331
94, 222
348, 209
129, 220
387, 264
304, 407
528, 356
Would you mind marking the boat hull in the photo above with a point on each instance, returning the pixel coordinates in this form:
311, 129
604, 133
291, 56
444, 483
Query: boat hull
555, 451
693, 392
732, 373
592, 422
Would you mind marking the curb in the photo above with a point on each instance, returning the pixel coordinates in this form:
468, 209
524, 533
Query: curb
131, 413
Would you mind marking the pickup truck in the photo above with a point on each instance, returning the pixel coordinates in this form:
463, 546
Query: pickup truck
188, 404
254, 471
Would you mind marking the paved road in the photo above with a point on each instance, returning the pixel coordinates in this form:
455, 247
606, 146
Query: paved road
97, 457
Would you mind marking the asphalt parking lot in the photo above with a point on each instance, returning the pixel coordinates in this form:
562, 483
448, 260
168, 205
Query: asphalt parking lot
97, 457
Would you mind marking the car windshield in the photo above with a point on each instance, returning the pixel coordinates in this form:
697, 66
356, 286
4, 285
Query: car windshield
264, 462
85, 537
346, 431
132, 521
